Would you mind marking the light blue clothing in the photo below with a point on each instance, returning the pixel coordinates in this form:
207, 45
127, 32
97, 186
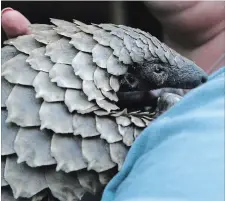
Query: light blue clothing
180, 156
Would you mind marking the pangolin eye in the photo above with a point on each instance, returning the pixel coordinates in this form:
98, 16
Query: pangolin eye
158, 70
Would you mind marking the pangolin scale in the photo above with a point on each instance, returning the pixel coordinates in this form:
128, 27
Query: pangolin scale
64, 131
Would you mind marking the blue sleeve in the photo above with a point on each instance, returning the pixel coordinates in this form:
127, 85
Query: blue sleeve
180, 156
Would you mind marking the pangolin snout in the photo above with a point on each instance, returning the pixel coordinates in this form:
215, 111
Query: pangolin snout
199, 80
191, 76
204, 79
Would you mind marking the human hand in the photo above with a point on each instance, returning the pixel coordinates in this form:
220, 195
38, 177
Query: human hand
194, 29
14, 23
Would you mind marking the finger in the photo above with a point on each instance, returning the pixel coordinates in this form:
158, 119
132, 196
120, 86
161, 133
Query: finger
14, 23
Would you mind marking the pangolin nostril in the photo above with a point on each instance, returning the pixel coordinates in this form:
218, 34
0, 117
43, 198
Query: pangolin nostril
204, 79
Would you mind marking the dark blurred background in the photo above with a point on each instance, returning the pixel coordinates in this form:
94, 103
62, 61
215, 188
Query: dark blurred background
132, 13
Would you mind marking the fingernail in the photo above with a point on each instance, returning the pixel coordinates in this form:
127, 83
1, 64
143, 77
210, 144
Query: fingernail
6, 10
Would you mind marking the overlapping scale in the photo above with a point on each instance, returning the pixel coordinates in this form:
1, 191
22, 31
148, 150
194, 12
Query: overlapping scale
111, 95
23, 75
24, 180
101, 79
83, 42
108, 129
118, 152
7, 53
85, 125
65, 28
25, 44
91, 91
67, 152
63, 186
114, 83
46, 36
56, 117
96, 152
101, 55
46, 89
27, 147
76, 100
9, 132
128, 134
3, 181
102, 37
64, 76
61, 51
23, 108
83, 66
39, 61
89, 180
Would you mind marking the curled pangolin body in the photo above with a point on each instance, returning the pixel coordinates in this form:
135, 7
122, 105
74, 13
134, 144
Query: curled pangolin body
63, 132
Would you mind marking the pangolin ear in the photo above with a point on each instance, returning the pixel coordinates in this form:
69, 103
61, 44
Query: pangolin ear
131, 80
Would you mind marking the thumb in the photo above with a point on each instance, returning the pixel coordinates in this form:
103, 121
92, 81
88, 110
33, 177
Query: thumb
14, 23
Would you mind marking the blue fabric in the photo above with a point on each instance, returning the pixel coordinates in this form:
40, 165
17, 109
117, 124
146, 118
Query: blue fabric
180, 156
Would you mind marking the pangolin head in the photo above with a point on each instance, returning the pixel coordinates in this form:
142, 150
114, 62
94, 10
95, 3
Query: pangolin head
165, 68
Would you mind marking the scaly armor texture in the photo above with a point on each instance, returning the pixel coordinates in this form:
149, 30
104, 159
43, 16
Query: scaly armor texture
66, 124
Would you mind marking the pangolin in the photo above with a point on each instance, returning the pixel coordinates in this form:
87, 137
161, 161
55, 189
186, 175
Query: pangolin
74, 99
